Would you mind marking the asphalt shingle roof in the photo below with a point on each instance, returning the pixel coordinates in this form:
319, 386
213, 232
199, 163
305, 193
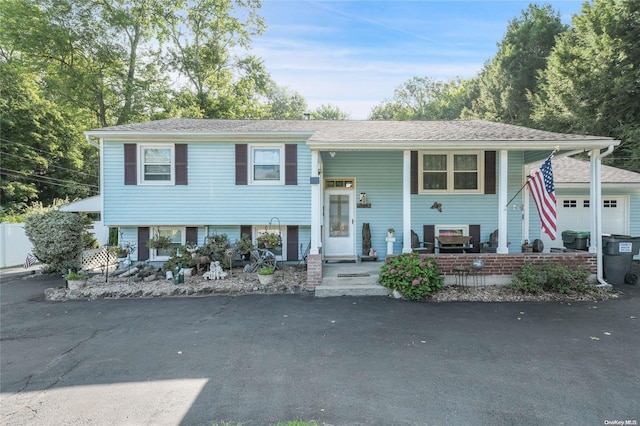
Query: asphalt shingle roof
572, 170
348, 130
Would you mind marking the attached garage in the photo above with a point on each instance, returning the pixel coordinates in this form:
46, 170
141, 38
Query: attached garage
620, 200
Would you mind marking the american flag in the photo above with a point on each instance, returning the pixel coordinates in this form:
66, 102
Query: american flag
30, 260
543, 192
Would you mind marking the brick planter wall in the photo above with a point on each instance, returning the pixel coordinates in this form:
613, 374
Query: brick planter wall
314, 271
507, 264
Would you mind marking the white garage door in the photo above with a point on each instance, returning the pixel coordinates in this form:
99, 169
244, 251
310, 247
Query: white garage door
573, 215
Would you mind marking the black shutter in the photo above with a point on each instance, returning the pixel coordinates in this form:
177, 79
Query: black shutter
474, 233
429, 234
246, 229
130, 164
242, 166
292, 242
414, 172
490, 172
143, 238
291, 164
192, 235
181, 164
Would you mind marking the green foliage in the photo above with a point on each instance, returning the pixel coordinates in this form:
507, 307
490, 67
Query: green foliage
267, 270
551, 277
179, 255
268, 240
512, 73
423, 98
159, 242
284, 104
414, 276
329, 112
76, 276
56, 237
216, 247
590, 85
244, 245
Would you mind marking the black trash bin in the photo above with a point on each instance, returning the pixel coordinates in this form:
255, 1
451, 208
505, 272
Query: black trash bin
617, 258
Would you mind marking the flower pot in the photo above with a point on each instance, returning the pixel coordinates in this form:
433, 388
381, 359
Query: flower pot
265, 279
76, 284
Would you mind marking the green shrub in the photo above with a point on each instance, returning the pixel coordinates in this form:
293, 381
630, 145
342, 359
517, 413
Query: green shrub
413, 276
551, 277
56, 237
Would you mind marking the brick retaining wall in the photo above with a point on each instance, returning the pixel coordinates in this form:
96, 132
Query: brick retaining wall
507, 264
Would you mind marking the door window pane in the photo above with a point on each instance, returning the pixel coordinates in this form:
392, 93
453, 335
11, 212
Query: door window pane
339, 225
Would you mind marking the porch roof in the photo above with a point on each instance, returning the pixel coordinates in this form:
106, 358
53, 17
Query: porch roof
337, 135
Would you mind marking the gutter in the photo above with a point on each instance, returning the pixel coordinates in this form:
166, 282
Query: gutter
91, 142
598, 173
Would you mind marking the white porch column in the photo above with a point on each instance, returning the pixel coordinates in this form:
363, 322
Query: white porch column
406, 202
594, 201
316, 203
502, 202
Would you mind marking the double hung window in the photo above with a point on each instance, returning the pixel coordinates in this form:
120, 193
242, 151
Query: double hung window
459, 172
157, 164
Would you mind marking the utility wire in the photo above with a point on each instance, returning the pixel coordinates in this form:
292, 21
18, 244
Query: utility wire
51, 165
38, 180
46, 179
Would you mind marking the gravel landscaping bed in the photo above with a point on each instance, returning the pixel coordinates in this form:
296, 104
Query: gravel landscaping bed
289, 280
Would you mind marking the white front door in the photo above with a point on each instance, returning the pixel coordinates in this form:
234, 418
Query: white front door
339, 224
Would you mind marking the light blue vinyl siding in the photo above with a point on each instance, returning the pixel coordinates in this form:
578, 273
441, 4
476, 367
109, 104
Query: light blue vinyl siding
211, 195
379, 174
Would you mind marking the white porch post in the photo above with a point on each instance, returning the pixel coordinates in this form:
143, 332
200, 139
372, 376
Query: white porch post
406, 202
594, 201
316, 204
502, 202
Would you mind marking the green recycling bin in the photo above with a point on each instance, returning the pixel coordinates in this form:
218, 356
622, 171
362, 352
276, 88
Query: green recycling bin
617, 258
576, 240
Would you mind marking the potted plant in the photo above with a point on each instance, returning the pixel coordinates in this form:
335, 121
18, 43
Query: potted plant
390, 232
159, 242
265, 275
269, 240
76, 280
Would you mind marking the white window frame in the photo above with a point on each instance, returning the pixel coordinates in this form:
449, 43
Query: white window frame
153, 253
461, 230
450, 173
141, 149
252, 180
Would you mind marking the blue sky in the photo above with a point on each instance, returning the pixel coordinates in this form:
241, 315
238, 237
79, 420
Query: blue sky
353, 54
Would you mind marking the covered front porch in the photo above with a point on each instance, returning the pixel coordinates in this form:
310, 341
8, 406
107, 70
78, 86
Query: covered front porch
406, 209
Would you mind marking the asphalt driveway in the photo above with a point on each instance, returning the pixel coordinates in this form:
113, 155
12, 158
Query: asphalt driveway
263, 359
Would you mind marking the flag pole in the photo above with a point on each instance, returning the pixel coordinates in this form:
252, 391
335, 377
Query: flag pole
556, 149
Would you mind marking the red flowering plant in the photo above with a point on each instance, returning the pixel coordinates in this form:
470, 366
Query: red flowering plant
413, 276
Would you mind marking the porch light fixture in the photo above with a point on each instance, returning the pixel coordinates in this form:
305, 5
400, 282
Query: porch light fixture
332, 154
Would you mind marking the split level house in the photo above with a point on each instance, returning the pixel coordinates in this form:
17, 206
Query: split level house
321, 185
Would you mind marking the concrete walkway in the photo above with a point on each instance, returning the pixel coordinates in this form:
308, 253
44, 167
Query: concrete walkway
351, 279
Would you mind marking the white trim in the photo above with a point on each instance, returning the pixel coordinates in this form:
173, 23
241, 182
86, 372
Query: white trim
406, 202
451, 172
153, 253
316, 204
140, 153
252, 148
503, 189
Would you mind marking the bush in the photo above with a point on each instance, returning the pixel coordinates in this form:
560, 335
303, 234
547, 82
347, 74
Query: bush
56, 237
551, 277
413, 276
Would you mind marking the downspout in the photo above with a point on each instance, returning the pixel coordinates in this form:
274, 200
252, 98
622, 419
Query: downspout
598, 181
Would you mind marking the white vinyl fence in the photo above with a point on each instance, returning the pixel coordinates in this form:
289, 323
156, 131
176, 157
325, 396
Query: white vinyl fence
14, 244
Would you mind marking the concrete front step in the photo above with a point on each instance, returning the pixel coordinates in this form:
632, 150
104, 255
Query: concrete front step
351, 290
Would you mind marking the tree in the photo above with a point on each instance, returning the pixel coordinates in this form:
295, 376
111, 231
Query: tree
223, 85
284, 104
423, 98
511, 75
44, 155
329, 112
590, 85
